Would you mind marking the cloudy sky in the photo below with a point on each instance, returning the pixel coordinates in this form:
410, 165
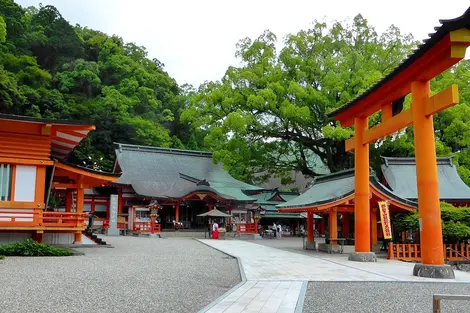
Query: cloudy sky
195, 39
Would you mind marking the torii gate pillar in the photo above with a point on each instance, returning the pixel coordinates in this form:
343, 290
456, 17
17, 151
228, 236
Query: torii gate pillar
362, 251
432, 253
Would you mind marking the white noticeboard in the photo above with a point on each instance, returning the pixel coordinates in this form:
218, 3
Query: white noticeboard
113, 214
25, 183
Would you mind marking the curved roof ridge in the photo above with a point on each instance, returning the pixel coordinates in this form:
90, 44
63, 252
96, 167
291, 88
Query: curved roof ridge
151, 149
448, 160
334, 176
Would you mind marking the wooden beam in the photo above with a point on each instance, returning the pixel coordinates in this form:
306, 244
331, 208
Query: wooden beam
435, 104
385, 128
442, 100
25, 161
21, 205
387, 112
64, 186
388, 127
46, 129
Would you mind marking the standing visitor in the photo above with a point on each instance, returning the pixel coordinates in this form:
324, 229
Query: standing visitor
215, 230
275, 229
279, 233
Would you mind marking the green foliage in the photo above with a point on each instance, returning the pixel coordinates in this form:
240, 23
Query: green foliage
3, 30
453, 232
455, 222
32, 248
54, 70
271, 110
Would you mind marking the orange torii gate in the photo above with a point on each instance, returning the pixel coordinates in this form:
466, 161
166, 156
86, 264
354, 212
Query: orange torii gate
443, 49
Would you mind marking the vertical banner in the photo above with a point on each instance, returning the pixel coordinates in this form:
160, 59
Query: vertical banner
385, 219
113, 214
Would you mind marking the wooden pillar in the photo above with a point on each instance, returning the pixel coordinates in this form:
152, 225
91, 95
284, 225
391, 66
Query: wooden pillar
37, 236
333, 223
177, 212
120, 201
373, 226
426, 174
345, 227
80, 200
361, 169
322, 225
310, 234
78, 238
68, 200
40, 184
210, 205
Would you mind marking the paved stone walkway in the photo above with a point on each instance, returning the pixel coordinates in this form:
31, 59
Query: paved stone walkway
274, 277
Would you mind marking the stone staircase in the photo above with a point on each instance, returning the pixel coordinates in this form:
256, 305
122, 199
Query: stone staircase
94, 237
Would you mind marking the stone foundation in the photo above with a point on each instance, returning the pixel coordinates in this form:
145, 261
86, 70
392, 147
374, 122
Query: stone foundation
310, 245
434, 271
250, 236
362, 257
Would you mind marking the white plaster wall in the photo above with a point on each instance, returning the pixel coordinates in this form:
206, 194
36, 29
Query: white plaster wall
58, 238
25, 186
7, 238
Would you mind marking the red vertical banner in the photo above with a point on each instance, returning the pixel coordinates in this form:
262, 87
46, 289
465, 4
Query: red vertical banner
385, 219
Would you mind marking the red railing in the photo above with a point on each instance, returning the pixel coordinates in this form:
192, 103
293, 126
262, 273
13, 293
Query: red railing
64, 219
146, 227
19, 217
38, 219
412, 252
247, 228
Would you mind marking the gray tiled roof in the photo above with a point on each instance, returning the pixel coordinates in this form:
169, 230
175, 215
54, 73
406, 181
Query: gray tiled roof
400, 174
334, 187
171, 173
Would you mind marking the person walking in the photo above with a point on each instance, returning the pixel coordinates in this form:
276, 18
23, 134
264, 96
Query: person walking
215, 230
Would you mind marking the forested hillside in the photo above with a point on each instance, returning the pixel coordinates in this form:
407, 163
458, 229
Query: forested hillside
51, 69
267, 115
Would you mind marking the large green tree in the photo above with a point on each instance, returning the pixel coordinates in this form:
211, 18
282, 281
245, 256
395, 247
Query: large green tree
270, 112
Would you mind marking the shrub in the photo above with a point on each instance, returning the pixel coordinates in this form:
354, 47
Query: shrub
453, 232
32, 248
450, 215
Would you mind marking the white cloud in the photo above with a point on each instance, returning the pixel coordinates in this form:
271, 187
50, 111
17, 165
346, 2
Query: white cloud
196, 39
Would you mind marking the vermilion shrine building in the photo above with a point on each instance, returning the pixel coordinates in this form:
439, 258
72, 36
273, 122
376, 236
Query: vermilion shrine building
31, 167
333, 197
184, 184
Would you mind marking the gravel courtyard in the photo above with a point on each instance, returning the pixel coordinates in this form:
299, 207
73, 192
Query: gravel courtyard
138, 275
382, 297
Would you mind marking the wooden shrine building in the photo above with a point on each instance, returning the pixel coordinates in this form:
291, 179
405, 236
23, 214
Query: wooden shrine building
333, 197
266, 204
443, 49
184, 184
32, 151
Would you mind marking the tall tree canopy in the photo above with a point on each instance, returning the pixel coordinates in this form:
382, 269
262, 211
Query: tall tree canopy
269, 114
52, 69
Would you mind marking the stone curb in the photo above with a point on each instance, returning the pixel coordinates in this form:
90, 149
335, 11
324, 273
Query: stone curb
242, 276
299, 307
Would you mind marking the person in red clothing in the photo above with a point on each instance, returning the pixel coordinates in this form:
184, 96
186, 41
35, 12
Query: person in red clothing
215, 230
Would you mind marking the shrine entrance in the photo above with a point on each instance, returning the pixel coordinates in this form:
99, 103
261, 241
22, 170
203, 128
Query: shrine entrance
443, 49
